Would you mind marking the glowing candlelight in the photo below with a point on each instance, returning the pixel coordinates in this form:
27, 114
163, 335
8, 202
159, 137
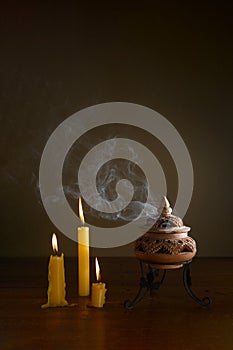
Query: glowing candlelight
54, 244
80, 208
97, 270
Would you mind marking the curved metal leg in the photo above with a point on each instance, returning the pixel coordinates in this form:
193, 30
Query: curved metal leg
128, 304
188, 287
146, 284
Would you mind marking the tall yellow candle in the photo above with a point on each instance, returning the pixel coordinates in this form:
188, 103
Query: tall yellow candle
83, 256
98, 290
56, 277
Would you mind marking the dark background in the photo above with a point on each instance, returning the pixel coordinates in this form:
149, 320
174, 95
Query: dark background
57, 59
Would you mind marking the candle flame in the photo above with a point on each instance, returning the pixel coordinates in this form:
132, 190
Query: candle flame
54, 243
97, 270
81, 210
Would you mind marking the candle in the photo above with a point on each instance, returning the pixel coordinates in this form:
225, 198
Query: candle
56, 278
83, 256
98, 289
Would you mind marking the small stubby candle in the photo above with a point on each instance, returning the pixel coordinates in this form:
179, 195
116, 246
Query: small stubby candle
98, 289
56, 276
83, 256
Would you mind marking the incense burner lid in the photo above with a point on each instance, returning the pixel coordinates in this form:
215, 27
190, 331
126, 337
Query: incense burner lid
168, 223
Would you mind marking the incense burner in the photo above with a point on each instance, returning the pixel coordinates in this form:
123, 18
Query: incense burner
167, 243
165, 246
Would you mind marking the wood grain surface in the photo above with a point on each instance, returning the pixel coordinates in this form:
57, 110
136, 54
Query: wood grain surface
168, 319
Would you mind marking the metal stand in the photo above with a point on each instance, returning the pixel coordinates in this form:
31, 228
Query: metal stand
150, 281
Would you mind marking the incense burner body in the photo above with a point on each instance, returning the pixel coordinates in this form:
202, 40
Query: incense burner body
167, 243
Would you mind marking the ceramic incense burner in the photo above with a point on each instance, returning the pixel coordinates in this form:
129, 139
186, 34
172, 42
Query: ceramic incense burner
167, 243
165, 246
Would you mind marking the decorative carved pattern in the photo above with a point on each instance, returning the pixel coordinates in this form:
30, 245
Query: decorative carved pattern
167, 222
148, 244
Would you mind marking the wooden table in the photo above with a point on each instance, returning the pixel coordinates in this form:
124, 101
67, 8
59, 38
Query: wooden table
169, 319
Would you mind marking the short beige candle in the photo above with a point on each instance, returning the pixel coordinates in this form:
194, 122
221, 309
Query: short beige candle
98, 289
56, 277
